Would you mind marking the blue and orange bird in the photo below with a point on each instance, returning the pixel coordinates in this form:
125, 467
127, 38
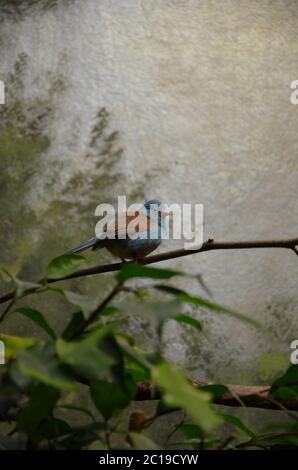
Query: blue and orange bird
147, 235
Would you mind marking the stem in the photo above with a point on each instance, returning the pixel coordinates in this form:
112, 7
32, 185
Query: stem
209, 245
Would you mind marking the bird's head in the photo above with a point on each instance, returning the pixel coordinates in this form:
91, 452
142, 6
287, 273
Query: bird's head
156, 209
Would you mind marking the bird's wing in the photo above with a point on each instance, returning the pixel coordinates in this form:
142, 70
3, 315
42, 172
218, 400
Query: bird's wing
129, 224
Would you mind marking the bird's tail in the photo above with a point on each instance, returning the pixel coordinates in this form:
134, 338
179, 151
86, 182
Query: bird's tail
84, 246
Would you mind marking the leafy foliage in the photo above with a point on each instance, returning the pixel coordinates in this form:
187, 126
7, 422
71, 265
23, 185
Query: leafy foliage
41, 378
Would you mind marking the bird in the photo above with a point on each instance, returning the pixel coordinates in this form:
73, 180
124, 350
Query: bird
147, 235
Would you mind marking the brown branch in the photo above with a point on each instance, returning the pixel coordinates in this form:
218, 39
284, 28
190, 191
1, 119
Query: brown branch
209, 245
254, 396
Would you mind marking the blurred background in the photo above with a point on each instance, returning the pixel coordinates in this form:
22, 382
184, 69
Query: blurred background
187, 101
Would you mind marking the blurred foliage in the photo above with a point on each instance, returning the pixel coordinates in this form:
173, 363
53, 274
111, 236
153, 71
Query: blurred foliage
18, 8
22, 143
50, 198
271, 365
38, 186
43, 378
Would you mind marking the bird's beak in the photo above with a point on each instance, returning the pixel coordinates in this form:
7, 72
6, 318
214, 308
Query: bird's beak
165, 213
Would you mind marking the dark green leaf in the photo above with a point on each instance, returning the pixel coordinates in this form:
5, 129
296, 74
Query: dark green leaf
109, 310
273, 441
137, 371
238, 424
195, 436
131, 270
10, 395
182, 318
37, 318
216, 390
40, 406
290, 377
137, 365
163, 407
183, 296
77, 408
52, 428
286, 393
109, 397
286, 386
73, 326
78, 440
191, 431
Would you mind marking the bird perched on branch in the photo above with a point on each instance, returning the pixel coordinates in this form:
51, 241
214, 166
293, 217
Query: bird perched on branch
131, 237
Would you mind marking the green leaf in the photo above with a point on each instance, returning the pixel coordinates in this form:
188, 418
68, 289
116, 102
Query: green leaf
137, 366
131, 270
182, 318
177, 391
73, 326
92, 357
286, 386
109, 397
216, 390
52, 428
183, 296
77, 408
37, 318
238, 424
108, 310
41, 403
290, 377
273, 441
163, 407
82, 436
286, 393
137, 371
129, 339
191, 431
194, 435
64, 266
141, 442
39, 363
15, 343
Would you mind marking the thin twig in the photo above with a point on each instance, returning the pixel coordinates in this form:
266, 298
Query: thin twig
254, 396
209, 245
226, 442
